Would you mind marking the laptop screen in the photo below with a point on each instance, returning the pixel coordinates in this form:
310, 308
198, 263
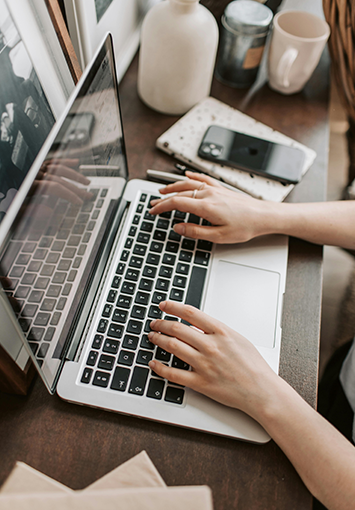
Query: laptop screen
56, 226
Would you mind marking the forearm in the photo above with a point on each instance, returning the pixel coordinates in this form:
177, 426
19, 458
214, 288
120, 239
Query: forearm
330, 223
324, 459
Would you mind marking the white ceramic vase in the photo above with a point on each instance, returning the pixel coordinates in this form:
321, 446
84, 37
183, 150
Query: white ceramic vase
178, 50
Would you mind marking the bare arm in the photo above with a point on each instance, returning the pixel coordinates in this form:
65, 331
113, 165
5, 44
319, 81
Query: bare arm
238, 218
324, 459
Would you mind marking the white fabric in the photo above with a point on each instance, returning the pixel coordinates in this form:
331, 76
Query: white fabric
347, 379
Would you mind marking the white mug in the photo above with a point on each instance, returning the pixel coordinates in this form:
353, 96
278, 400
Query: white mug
297, 42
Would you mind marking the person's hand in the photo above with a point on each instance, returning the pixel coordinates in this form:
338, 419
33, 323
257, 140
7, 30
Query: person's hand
225, 366
234, 217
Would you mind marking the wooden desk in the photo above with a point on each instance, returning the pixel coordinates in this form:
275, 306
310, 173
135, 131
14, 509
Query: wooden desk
77, 445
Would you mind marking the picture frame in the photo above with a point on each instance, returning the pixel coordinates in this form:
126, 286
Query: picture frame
37, 32
90, 20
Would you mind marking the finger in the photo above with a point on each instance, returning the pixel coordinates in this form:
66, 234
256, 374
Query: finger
176, 330
174, 375
182, 202
69, 173
51, 187
178, 186
176, 347
194, 231
203, 178
191, 315
82, 193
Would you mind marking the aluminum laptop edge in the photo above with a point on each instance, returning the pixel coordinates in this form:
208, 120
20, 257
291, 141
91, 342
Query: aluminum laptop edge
74, 315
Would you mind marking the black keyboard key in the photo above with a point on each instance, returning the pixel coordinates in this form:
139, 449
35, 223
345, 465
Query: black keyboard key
120, 316
48, 305
30, 310
25, 324
166, 214
106, 362
69, 253
86, 377
53, 291
33, 346
36, 334
197, 281
111, 346
147, 226
156, 247
66, 289
136, 262
146, 343
42, 319
172, 247
40, 254
142, 298
130, 342
101, 379
126, 358
147, 326
163, 224
22, 292
149, 217
174, 236
149, 271
180, 215
51, 259
178, 363
120, 379
97, 342
115, 330
49, 334
107, 310
120, 268
17, 272
129, 243
48, 269
42, 283
153, 258
138, 381
128, 288
27, 279
140, 208
43, 350
136, 219
55, 318
169, 259
204, 245
92, 358
143, 238
154, 312
162, 284
174, 395
138, 312
61, 303
159, 235
77, 262
132, 231
146, 285
162, 355
188, 244
171, 318
124, 301
111, 297
124, 256
179, 281
193, 219
166, 272
132, 274
143, 197
36, 296
59, 277
182, 268
139, 249
158, 297
155, 389
58, 246
185, 256
202, 258
143, 357
134, 327
101, 328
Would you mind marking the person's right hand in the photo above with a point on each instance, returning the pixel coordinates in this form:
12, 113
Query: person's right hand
234, 217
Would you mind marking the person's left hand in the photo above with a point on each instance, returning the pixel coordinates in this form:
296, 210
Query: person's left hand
225, 366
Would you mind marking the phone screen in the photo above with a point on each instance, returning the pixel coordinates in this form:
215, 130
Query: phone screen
254, 155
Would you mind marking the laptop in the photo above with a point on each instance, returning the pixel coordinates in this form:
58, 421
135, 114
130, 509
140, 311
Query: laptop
84, 267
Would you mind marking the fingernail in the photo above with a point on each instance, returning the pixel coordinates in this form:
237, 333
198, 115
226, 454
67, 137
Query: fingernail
152, 364
151, 325
180, 228
162, 305
153, 202
150, 334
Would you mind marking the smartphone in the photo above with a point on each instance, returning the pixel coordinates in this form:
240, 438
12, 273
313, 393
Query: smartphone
254, 155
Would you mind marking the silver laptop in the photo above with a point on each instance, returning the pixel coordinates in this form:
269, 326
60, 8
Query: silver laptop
85, 266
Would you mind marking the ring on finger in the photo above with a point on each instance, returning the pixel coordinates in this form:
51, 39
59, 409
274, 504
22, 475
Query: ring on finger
194, 193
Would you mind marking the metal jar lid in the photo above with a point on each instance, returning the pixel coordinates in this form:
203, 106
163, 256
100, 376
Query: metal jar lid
248, 17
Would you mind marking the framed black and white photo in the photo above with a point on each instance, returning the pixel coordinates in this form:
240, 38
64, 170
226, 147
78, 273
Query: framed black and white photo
90, 20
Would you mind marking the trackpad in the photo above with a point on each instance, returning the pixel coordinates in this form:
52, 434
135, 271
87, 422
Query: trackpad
246, 299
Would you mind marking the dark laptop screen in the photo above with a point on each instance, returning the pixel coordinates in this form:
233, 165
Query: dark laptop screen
69, 199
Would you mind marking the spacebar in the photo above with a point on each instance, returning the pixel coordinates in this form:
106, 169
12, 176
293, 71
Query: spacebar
197, 282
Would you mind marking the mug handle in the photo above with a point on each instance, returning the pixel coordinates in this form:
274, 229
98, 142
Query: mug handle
285, 64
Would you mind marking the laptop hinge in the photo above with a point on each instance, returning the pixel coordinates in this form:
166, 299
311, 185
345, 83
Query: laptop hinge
98, 282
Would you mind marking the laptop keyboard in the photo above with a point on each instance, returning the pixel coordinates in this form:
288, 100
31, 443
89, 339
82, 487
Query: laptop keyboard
42, 269
155, 264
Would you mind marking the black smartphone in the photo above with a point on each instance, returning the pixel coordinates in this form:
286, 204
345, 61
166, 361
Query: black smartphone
254, 155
